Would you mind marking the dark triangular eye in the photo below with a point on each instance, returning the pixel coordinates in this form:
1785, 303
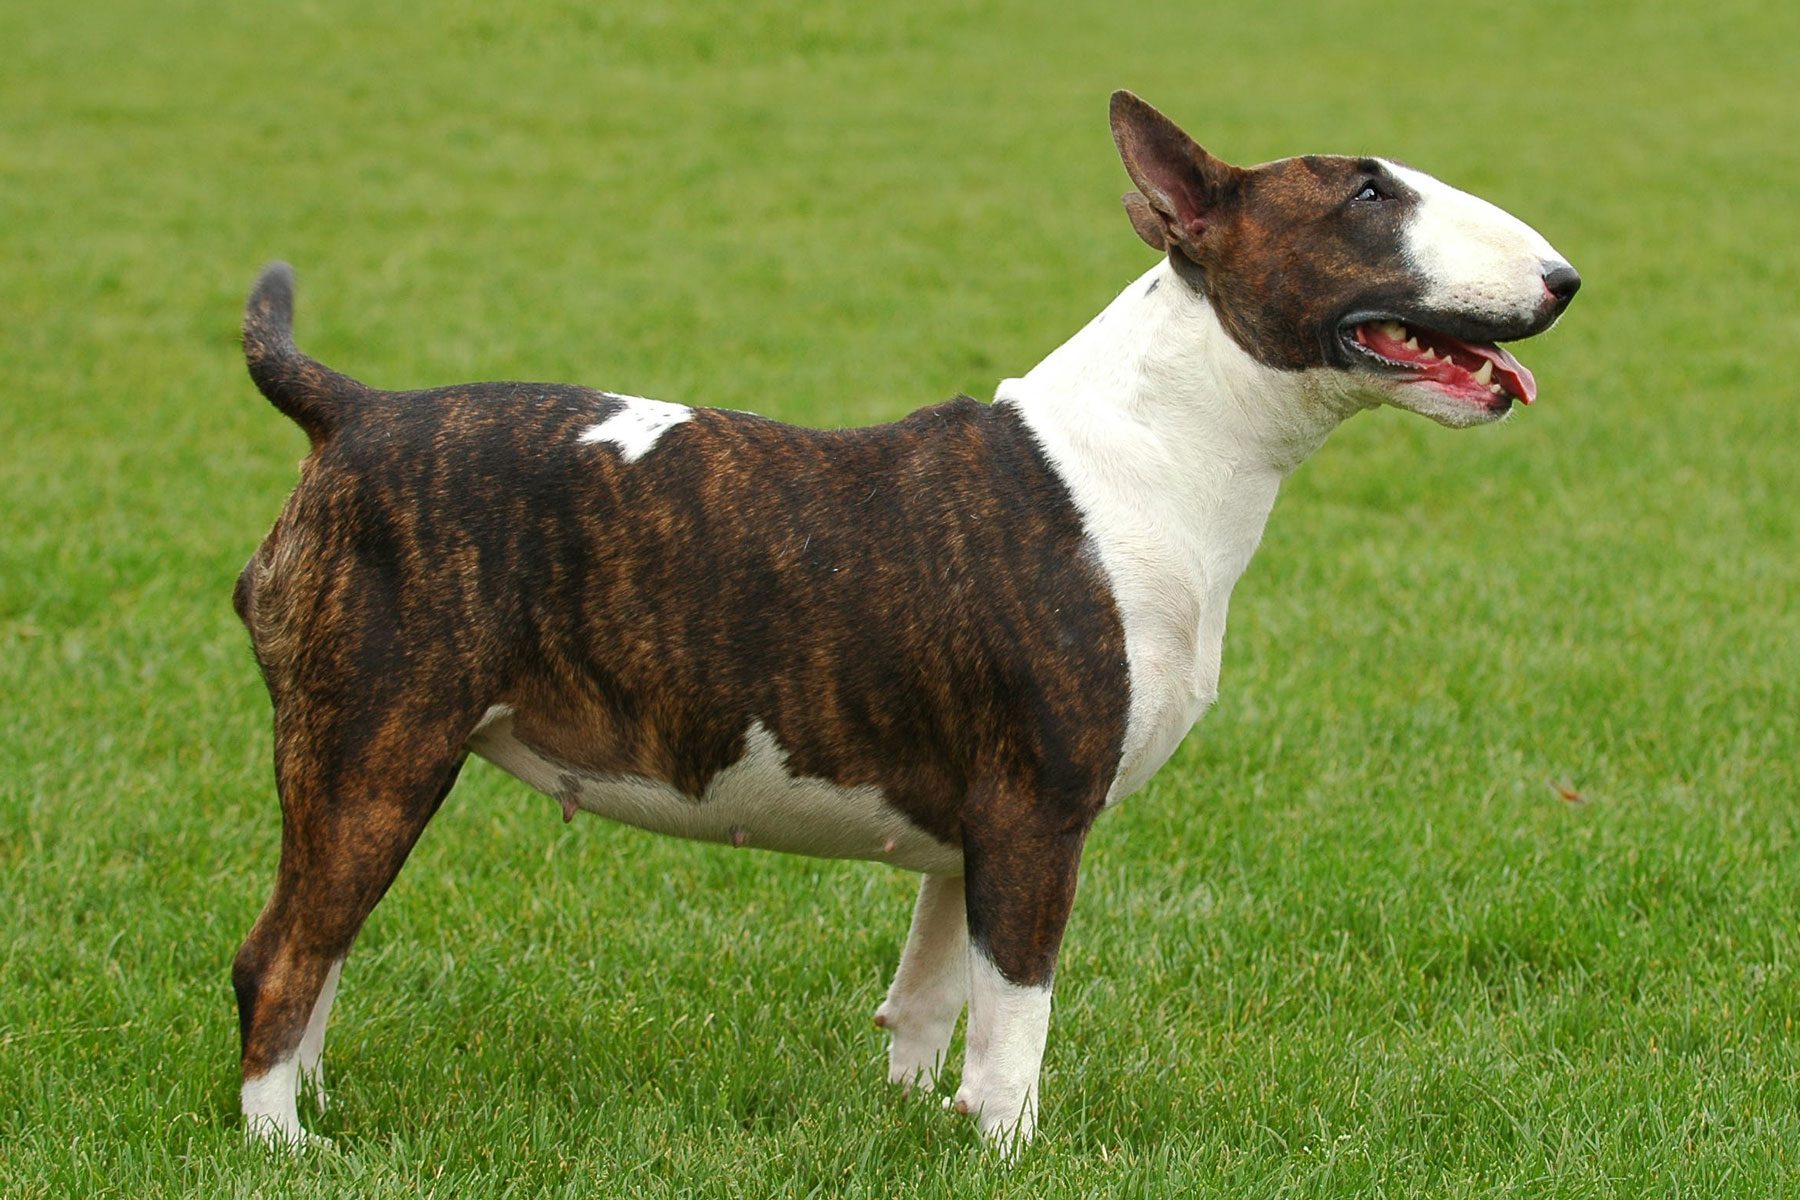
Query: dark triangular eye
1370, 192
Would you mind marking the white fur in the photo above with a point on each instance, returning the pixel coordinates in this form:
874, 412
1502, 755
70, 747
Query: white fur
270, 1114
312, 1042
637, 425
1173, 442
930, 987
1478, 259
494, 713
1008, 1024
752, 802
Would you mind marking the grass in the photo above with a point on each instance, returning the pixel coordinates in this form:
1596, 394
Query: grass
1351, 941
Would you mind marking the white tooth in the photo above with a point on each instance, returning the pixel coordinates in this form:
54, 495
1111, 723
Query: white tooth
1394, 329
1429, 354
1486, 373
1494, 388
1412, 343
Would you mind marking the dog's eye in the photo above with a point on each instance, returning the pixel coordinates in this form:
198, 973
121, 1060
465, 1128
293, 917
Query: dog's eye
1370, 192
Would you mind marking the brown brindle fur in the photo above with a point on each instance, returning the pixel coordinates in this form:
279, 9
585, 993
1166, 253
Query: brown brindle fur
1277, 271
1280, 250
911, 607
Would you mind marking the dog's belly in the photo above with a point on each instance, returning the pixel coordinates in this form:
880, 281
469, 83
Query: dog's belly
754, 802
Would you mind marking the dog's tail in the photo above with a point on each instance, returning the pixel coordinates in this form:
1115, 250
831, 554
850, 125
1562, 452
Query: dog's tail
309, 392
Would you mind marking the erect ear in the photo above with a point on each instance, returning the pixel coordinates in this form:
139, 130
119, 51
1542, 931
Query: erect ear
1180, 186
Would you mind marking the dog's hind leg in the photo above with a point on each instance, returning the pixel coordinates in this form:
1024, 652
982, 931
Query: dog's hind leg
312, 1042
930, 987
354, 801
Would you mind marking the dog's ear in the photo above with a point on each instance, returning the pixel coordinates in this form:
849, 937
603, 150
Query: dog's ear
1149, 226
1180, 186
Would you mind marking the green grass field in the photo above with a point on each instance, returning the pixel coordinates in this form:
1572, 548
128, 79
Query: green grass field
1351, 941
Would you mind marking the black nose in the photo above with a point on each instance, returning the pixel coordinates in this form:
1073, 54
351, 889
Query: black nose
1562, 282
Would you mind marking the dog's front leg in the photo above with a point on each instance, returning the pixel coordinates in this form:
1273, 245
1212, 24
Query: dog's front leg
930, 987
1019, 881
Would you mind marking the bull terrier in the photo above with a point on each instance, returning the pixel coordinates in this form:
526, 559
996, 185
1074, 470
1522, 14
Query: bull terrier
947, 644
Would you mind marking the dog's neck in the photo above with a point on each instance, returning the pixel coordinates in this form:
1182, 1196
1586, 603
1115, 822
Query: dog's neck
1152, 407
1157, 363
1173, 442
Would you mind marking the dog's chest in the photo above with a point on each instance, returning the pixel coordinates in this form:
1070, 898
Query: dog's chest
1175, 639
1174, 533
755, 802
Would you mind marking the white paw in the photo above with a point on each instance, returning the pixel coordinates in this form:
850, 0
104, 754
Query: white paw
916, 1049
263, 1131
1006, 1118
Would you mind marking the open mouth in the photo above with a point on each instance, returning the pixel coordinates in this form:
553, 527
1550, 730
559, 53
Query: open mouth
1479, 372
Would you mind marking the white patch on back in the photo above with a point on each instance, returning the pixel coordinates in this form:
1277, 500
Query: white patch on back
753, 802
637, 425
1478, 258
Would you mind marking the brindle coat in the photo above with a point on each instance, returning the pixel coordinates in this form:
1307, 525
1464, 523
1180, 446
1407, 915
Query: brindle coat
909, 606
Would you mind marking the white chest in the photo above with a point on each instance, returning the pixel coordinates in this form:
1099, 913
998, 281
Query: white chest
1173, 443
1174, 536
1173, 607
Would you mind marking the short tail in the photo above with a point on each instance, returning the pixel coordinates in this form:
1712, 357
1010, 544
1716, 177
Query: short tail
310, 393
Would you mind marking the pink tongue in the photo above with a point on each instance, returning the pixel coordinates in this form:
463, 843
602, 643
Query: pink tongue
1513, 373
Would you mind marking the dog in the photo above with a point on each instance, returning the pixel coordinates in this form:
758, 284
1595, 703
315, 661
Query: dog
947, 643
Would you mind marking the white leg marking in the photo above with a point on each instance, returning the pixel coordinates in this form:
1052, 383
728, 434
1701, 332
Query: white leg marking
930, 987
268, 1103
312, 1042
637, 425
1008, 1023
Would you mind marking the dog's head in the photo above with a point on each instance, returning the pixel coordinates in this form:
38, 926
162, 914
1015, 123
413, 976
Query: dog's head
1356, 265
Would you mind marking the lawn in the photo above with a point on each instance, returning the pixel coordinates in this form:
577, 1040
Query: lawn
1483, 877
